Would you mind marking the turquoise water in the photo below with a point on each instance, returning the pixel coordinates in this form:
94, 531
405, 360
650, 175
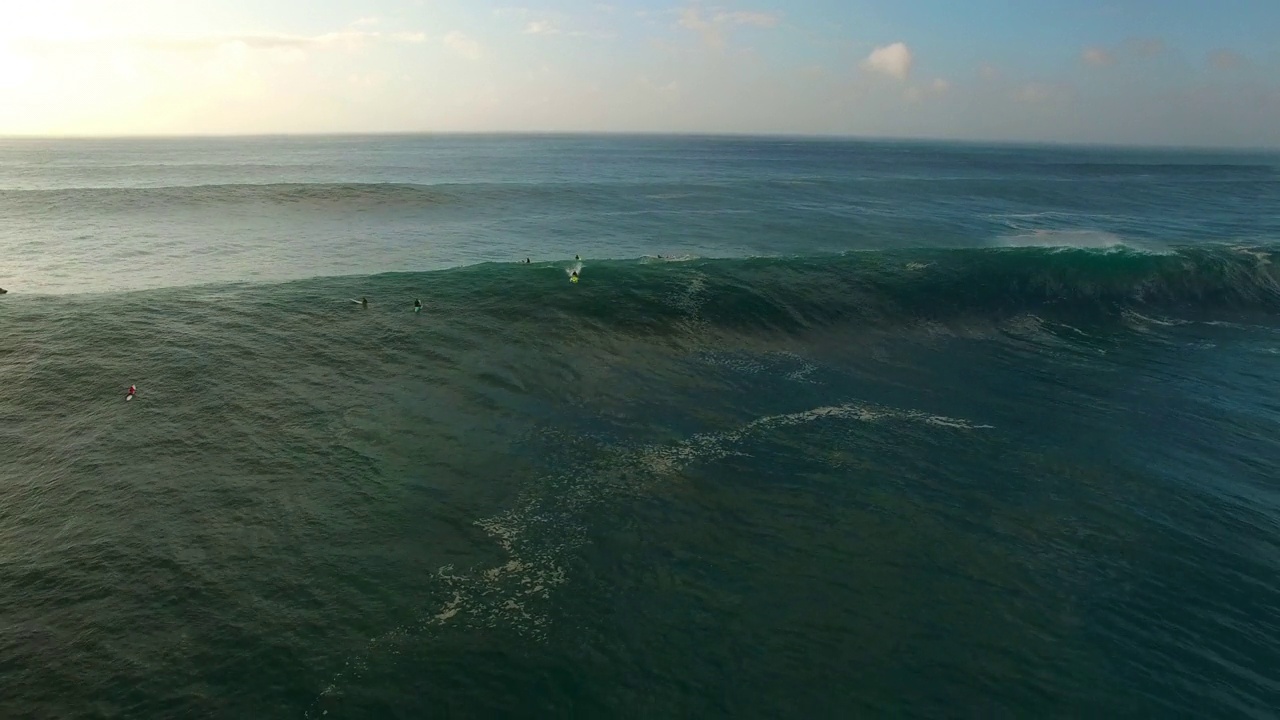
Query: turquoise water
827, 429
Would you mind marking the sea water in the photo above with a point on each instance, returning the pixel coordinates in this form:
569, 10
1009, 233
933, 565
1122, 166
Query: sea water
826, 429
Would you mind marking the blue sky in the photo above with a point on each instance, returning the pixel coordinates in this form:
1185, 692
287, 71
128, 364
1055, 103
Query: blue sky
1172, 72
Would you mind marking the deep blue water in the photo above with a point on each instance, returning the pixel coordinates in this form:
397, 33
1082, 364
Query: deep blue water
826, 429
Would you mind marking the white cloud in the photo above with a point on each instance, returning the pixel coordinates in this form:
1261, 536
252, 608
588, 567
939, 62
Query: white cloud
463, 45
758, 19
410, 37
597, 34
541, 27
916, 93
691, 19
366, 22
1098, 57
893, 60
712, 27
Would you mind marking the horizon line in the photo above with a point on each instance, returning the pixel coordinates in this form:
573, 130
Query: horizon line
666, 134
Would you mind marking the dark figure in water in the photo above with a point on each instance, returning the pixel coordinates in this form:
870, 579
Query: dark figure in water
3, 291
527, 261
575, 257
417, 305
364, 302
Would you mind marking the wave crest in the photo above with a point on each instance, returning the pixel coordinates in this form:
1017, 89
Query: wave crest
890, 288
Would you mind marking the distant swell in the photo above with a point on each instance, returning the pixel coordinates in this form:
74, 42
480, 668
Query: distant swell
313, 194
340, 196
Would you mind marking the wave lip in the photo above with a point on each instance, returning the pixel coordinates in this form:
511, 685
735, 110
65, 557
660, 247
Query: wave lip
1093, 239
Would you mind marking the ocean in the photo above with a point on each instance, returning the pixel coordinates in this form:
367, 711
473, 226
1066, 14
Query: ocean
827, 429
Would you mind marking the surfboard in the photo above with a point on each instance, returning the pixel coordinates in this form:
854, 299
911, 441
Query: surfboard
127, 398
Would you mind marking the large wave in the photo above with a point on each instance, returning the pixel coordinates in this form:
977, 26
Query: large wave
872, 288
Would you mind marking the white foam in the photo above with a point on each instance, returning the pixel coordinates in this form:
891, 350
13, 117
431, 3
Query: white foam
802, 373
550, 521
789, 365
1263, 257
689, 299
1067, 239
1145, 323
670, 459
738, 363
668, 258
803, 368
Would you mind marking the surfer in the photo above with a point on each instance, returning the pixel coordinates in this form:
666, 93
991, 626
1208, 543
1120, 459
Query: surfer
573, 276
364, 302
133, 390
577, 257
3, 291
417, 305
527, 261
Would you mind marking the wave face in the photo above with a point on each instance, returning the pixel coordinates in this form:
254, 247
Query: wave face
890, 288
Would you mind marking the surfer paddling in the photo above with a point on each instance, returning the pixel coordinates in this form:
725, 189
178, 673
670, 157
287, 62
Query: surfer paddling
417, 305
133, 391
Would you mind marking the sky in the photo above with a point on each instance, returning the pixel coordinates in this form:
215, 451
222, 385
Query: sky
1158, 72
